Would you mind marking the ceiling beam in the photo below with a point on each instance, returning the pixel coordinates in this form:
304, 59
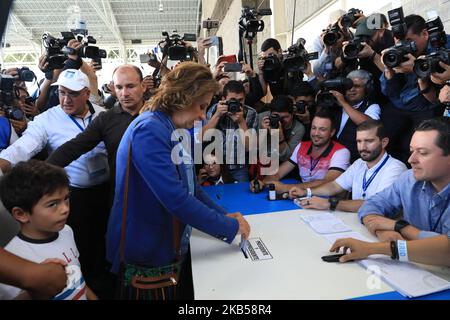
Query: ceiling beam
106, 14
19, 29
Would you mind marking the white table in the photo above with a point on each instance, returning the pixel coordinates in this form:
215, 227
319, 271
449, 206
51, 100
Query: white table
220, 271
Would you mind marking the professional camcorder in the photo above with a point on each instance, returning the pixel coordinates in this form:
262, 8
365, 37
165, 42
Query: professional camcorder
424, 67
395, 55
175, 48
325, 98
294, 61
57, 50
250, 21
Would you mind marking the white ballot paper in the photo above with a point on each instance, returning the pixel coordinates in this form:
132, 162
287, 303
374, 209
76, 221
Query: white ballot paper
325, 223
405, 277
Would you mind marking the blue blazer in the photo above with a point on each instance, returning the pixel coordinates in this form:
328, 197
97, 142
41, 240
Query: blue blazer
156, 191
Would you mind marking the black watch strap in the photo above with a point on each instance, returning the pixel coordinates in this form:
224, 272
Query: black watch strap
333, 203
400, 224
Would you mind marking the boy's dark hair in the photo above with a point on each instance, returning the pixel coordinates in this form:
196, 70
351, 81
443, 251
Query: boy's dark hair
372, 124
233, 86
282, 103
270, 43
324, 113
415, 23
28, 182
302, 89
442, 126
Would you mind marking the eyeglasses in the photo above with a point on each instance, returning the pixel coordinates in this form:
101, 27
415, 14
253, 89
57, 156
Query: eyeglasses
71, 94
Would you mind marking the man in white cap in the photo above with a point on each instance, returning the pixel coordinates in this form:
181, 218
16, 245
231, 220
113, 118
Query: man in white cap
88, 174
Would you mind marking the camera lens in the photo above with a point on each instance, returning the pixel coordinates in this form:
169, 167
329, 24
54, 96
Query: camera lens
330, 38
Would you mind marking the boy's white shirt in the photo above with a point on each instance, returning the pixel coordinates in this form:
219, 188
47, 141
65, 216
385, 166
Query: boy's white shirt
63, 248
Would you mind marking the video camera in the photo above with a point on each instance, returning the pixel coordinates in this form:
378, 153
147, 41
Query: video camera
293, 60
325, 98
296, 57
250, 23
349, 18
395, 55
424, 67
57, 50
175, 48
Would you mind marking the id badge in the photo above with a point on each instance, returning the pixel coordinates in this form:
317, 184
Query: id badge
97, 165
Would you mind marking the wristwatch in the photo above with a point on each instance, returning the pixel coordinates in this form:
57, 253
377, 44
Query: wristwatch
400, 224
333, 203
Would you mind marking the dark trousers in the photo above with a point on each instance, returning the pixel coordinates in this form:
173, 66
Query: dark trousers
400, 126
89, 212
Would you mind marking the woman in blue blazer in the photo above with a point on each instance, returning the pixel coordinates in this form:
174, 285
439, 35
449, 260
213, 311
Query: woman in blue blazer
158, 188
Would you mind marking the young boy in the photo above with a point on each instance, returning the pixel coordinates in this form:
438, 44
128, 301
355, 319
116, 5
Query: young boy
37, 195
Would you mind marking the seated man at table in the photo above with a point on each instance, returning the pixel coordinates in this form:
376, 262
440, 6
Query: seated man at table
370, 174
423, 193
319, 161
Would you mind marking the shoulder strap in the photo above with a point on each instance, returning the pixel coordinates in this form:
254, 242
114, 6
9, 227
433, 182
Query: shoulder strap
176, 225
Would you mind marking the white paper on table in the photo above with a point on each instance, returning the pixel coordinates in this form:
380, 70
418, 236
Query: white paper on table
329, 226
317, 217
407, 278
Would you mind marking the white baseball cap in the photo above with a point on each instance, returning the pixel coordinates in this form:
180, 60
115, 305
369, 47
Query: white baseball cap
72, 79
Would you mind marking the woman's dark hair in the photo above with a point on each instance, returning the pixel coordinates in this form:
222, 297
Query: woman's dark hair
270, 43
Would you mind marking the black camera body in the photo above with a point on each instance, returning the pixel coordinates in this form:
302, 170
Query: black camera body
325, 98
13, 113
349, 18
395, 55
234, 106
332, 35
274, 120
25, 74
353, 48
300, 107
54, 46
424, 67
175, 48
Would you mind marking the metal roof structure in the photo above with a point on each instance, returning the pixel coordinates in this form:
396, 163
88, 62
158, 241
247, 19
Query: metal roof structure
114, 23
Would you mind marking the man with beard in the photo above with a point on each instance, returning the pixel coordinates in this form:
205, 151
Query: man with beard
319, 161
370, 174
423, 193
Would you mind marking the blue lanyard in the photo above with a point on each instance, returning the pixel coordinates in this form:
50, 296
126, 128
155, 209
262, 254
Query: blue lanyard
366, 184
77, 124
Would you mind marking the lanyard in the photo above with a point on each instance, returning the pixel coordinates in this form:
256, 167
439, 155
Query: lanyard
367, 183
78, 125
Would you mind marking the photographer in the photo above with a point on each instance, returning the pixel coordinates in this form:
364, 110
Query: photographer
356, 108
232, 113
370, 40
271, 47
304, 105
281, 118
408, 95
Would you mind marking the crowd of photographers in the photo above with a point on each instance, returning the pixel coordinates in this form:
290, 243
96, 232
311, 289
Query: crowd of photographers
394, 70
